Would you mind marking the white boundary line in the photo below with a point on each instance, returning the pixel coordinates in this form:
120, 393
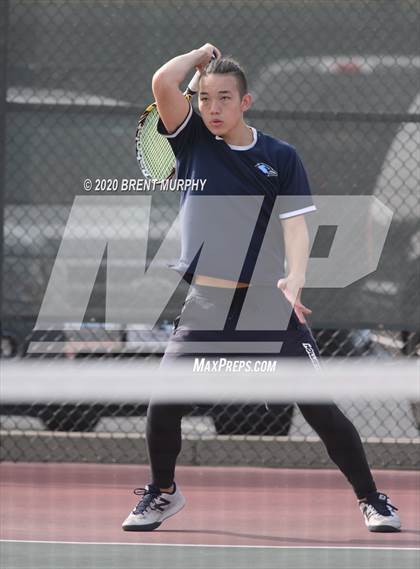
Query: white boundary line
210, 545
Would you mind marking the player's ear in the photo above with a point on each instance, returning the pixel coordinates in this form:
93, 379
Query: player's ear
246, 102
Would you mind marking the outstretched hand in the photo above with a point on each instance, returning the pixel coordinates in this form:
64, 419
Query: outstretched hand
292, 288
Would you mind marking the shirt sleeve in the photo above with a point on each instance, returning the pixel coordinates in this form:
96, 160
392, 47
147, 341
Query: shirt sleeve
185, 135
295, 196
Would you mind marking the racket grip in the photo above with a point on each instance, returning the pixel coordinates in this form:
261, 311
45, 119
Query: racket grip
193, 84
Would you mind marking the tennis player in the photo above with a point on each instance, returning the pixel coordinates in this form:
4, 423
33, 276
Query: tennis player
236, 160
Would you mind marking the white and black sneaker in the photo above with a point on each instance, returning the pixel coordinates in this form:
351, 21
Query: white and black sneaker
379, 513
154, 507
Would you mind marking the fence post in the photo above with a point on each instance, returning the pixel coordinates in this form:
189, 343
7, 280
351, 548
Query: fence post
4, 21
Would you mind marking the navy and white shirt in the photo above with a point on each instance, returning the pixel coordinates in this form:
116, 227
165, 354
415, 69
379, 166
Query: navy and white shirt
246, 190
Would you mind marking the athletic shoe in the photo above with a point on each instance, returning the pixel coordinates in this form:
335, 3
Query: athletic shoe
154, 507
379, 513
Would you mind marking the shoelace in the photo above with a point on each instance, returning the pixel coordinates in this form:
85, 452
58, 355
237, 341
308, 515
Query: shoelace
148, 498
380, 506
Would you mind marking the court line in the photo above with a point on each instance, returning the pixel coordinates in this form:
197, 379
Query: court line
212, 545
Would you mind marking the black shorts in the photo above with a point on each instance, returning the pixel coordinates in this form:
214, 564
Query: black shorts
257, 322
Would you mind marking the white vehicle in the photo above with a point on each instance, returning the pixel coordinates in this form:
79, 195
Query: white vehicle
355, 121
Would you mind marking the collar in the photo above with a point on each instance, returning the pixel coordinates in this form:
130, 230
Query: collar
241, 148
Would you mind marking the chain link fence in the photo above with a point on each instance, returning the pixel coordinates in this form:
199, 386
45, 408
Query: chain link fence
337, 79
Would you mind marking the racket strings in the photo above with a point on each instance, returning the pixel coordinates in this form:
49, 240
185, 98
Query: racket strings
153, 150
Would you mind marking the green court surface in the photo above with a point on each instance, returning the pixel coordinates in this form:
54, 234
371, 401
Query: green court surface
62, 555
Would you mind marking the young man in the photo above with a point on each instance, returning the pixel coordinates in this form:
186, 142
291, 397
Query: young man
251, 180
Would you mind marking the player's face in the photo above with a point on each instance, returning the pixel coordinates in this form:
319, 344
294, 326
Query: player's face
220, 103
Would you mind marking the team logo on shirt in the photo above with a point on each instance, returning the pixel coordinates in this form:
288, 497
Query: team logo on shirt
266, 169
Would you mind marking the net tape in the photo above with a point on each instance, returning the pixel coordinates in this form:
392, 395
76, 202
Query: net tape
133, 381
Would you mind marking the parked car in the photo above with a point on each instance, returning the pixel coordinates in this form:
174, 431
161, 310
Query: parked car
349, 117
93, 340
228, 419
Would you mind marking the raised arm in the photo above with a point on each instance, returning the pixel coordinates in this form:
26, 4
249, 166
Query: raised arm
172, 105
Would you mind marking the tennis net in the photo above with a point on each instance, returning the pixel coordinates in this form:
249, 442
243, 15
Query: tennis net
96, 411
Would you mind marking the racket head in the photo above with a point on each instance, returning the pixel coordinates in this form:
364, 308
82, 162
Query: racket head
153, 151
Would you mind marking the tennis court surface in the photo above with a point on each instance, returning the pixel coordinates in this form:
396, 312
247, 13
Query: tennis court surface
88, 298
69, 515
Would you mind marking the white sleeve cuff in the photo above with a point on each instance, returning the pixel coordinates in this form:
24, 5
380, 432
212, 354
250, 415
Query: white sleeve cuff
297, 212
182, 126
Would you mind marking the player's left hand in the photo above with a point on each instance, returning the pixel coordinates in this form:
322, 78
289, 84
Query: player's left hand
292, 288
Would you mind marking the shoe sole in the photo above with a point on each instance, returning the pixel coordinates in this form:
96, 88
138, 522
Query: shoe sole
384, 529
150, 527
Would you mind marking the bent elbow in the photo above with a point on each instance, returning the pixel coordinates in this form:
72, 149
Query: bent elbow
160, 82
156, 82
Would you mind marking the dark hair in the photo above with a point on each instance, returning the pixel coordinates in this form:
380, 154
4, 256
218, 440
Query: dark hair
231, 67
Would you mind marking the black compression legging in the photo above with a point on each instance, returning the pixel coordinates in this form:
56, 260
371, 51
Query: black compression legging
335, 430
339, 435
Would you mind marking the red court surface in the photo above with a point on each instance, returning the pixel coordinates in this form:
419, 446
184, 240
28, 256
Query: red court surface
225, 506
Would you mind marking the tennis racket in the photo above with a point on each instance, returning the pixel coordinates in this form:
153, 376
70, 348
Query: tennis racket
153, 151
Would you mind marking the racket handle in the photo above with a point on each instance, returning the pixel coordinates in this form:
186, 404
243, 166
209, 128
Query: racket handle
193, 84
